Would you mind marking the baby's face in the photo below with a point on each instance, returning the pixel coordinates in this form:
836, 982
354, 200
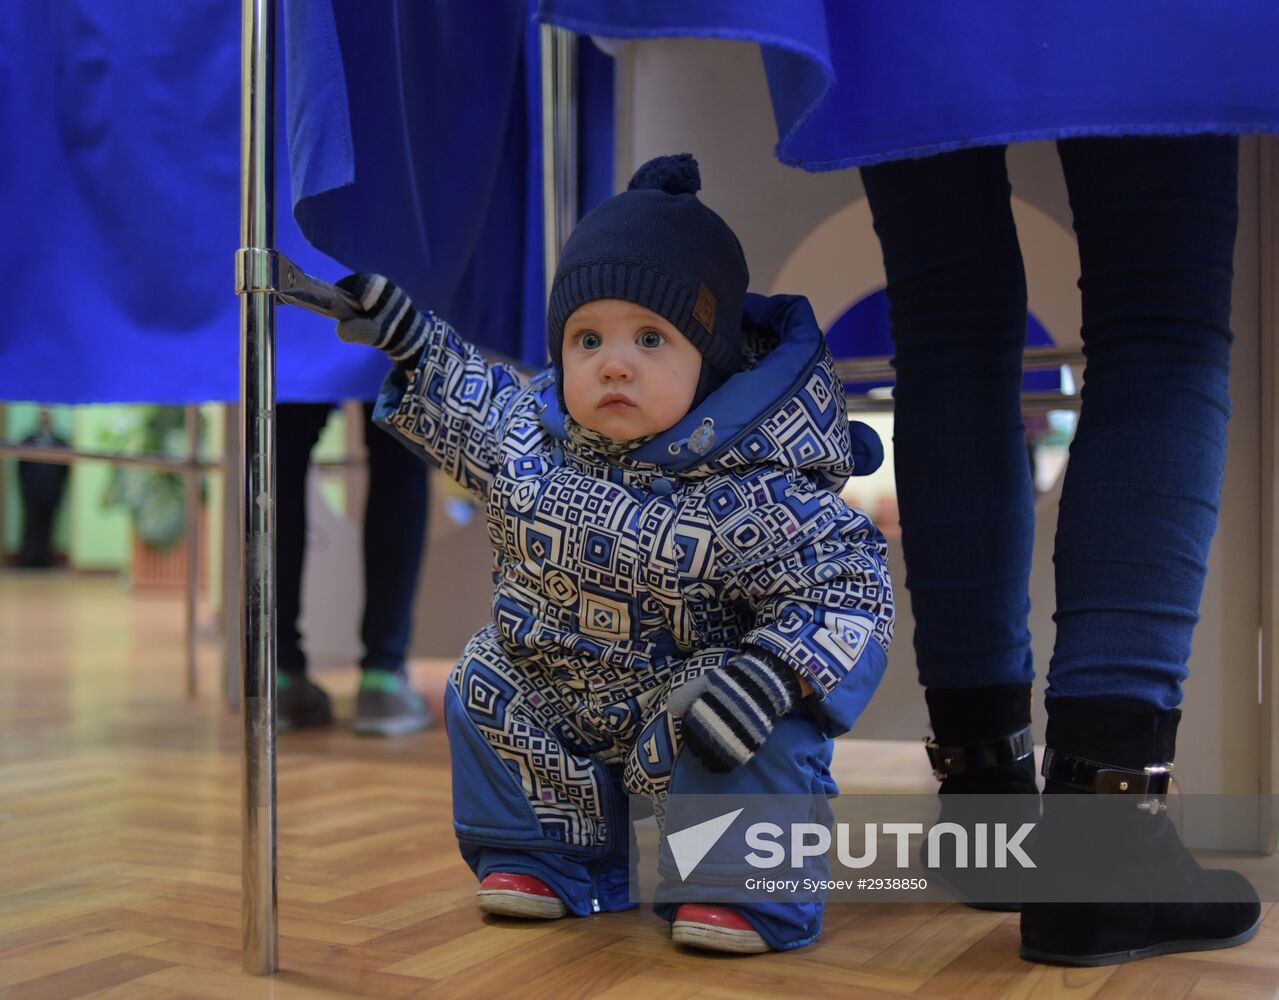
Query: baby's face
627, 371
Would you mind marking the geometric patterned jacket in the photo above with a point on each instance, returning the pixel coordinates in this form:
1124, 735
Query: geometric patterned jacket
724, 530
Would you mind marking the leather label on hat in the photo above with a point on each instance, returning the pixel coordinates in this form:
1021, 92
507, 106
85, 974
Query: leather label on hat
704, 310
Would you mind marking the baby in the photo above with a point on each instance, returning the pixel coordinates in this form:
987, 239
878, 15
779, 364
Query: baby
683, 603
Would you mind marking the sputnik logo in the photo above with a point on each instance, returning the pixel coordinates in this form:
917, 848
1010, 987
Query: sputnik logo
693, 843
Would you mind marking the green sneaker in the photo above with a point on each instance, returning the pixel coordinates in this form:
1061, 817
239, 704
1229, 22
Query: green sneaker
387, 706
300, 703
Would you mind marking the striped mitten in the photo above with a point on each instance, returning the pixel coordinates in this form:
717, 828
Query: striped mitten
737, 708
389, 321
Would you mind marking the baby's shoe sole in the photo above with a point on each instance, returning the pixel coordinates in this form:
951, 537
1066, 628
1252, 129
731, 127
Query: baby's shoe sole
505, 903
716, 930
507, 896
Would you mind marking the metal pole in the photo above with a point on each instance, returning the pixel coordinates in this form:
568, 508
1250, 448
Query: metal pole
559, 142
881, 369
259, 918
69, 456
231, 544
194, 479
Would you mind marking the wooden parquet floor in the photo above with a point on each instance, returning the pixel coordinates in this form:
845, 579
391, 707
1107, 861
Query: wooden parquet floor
120, 839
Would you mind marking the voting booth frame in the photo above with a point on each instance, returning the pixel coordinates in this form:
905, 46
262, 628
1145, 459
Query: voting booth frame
263, 275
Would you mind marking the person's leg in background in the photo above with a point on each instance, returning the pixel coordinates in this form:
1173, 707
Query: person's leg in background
957, 297
37, 530
300, 702
395, 525
1156, 223
41, 486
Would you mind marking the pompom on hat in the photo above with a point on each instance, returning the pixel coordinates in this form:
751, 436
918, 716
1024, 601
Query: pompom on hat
657, 245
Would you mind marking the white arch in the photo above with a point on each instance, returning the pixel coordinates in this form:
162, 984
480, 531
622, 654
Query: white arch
839, 262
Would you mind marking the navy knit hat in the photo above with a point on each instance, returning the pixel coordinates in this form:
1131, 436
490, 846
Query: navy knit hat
656, 245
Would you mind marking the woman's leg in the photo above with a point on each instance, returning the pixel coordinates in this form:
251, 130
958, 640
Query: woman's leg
1156, 224
957, 296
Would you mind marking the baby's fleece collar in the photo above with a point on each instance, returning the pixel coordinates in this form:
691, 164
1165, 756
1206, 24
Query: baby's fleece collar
602, 444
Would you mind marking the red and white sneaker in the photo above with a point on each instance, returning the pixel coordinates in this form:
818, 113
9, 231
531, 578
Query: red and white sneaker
519, 896
716, 928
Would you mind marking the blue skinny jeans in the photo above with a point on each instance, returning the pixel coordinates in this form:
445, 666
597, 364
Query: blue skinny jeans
1155, 219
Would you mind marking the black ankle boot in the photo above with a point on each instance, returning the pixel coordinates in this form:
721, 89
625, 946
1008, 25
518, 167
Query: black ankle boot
981, 747
1124, 750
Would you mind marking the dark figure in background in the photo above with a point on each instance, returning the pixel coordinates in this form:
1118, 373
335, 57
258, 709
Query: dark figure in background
42, 485
395, 518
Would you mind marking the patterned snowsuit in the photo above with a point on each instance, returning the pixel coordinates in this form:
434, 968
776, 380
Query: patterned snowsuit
619, 579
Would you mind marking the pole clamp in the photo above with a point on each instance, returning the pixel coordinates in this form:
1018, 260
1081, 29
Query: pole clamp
259, 270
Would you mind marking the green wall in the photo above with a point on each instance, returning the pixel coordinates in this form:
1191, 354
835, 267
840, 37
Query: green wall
92, 536
98, 538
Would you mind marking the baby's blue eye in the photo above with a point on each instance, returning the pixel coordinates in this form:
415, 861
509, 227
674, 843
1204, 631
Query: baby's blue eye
651, 338
588, 340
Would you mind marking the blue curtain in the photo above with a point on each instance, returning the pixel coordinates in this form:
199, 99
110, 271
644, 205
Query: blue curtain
422, 161
854, 82
413, 151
